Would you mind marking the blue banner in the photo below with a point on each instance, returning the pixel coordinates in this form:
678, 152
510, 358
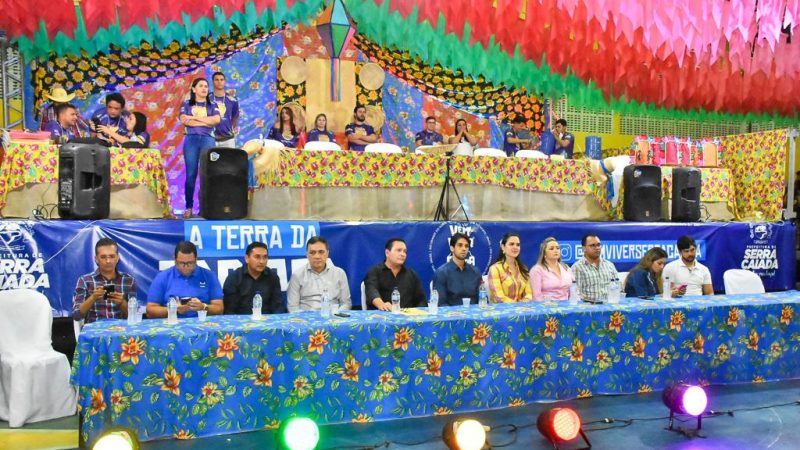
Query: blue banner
51, 255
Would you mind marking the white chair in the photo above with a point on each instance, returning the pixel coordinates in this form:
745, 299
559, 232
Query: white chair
382, 147
322, 146
532, 154
493, 152
740, 281
363, 297
34, 378
77, 326
272, 143
622, 277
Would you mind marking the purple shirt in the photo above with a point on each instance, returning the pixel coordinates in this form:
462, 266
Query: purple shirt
101, 117
228, 107
320, 135
58, 134
200, 109
361, 129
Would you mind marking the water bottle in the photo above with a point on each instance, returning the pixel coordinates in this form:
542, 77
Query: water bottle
667, 289
325, 308
573, 293
483, 296
395, 300
433, 303
612, 295
172, 311
133, 310
257, 302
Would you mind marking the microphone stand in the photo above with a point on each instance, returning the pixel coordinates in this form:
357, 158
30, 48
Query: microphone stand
443, 207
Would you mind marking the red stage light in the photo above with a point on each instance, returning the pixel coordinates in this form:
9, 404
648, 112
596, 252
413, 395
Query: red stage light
559, 424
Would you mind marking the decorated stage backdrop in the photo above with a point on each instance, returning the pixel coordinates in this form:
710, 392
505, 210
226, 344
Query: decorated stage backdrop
51, 255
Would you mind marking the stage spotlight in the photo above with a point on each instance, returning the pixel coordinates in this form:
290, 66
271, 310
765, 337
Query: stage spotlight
561, 425
464, 434
117, 439
684, 398
298, 433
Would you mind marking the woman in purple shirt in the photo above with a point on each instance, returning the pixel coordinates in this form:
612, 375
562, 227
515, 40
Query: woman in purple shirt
320, 131
550, 277
199, 116
284, 131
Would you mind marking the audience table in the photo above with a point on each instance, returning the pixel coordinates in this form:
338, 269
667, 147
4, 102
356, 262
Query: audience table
232, 373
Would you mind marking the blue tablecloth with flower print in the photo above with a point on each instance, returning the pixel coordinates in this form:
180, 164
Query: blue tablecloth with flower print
233, 374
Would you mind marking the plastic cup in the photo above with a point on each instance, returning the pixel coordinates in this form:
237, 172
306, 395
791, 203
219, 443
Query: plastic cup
202, 315
466, 301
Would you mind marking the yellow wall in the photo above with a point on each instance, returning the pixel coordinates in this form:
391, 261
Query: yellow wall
16, 105
614, 140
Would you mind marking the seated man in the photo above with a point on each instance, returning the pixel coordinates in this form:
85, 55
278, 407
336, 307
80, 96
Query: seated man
103, 294
428, 136
110, 118
686, 274
513, 137
457, 279
359, 133
61, 129
194, 287
392, 273
251, 279
317, 276
592, 272
47, 113
565, 141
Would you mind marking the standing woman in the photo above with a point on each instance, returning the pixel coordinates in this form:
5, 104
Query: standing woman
199, 116
550, 277
320, 131
462, 134
284, 130
509, 281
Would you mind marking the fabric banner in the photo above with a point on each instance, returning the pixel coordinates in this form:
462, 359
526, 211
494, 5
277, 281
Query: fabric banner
50, 255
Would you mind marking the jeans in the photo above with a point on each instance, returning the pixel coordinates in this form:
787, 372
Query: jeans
193, 144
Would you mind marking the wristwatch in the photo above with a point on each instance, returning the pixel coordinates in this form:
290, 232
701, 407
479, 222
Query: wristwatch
205, 307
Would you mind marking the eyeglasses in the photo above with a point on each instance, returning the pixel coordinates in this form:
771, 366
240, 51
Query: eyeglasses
595, 245
185, 263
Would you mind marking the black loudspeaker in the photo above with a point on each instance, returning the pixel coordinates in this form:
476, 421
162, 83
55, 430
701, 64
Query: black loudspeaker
63, 336
84, 181
223, 183
642, 186
686, 194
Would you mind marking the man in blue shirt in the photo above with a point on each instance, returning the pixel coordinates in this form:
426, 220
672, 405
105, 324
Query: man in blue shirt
428, 136
457, 279
513, 138
228, 105
196, 288
61, 129
565, 141
110, 118
359, 133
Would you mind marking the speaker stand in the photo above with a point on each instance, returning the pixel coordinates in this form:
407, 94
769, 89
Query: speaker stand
443, 207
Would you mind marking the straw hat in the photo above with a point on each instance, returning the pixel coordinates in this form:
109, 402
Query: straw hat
59, 95
293, 70
375, 117
371, 76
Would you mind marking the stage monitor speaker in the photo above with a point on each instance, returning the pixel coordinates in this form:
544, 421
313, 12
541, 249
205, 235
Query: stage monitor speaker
223, 183
686, 183
642, 186
84, 181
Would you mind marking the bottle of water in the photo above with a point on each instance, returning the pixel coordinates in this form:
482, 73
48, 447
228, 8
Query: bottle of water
612, 295
133, 310
483, 296
172, 311
573, 293
257, 302
395, 300
433, 303
325, 308
667, 289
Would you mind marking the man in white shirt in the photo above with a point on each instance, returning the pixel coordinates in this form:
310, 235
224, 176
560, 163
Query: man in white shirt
686, 273
319, 275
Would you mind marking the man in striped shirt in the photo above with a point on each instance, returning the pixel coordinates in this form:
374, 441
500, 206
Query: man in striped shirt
103, 294
592, 272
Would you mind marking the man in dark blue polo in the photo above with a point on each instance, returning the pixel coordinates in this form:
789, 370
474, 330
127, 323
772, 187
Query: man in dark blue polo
514, 140
196, 288
428, 136
457, 279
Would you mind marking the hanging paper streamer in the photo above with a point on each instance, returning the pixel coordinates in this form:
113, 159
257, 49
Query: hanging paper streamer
336, 29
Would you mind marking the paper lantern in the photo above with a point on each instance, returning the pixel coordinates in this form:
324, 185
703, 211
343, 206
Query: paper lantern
335, 27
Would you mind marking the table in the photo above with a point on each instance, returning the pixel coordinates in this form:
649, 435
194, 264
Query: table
233, 374
29, 172
377, 186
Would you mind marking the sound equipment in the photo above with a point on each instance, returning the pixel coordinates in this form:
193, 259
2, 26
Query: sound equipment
686, 194
63, 336
223, 183
84, 181
642, 187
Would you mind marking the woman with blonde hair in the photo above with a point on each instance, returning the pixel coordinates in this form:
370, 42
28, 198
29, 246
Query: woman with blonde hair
509, 280
551, 278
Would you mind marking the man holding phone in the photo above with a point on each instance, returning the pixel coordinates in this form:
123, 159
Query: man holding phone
196, 288
686, 273
103, 294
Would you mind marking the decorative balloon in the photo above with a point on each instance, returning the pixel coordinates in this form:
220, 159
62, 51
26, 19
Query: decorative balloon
335, 27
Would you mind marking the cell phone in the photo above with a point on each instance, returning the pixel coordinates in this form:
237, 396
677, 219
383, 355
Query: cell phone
185, 300
109, 288
646, 297
341, 314
683, 286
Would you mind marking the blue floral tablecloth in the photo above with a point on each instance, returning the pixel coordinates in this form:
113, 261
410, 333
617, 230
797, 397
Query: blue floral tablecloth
234, 374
